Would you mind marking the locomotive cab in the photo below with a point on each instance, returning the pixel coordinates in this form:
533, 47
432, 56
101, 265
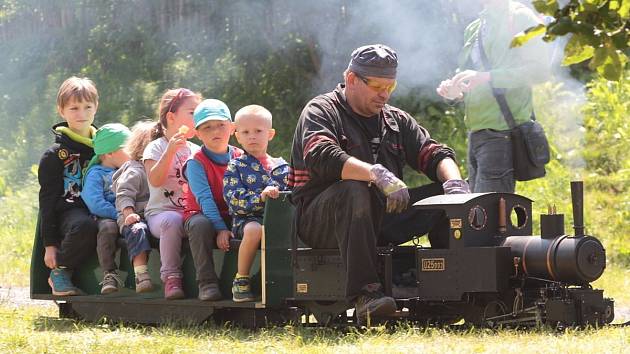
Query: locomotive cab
465, 256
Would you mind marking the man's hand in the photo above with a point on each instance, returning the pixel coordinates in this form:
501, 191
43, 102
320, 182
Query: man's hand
50, 257
223, 239
456, 186
469, 79
449, 91
393, 188
270, 191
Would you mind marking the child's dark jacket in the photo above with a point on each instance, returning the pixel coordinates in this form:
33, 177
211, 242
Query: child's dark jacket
60, 172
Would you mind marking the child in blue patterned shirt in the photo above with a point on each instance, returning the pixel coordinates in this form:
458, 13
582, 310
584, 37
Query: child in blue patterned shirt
249, 180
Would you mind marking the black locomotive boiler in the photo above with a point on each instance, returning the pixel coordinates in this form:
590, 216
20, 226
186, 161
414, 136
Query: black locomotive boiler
484, 267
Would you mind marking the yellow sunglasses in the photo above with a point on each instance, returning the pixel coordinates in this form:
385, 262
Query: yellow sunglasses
376, 86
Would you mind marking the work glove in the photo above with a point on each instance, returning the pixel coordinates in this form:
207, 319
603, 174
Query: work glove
456, 186
393, 188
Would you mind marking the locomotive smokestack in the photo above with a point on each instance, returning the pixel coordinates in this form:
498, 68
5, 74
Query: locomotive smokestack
577, 199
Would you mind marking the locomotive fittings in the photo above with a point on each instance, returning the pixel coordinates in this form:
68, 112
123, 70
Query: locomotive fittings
555, 256
570, 260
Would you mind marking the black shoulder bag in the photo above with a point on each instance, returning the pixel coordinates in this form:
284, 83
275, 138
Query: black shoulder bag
530, 148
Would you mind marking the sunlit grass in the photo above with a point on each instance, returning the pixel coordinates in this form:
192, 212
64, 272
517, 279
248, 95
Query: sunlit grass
37, 330
18, 218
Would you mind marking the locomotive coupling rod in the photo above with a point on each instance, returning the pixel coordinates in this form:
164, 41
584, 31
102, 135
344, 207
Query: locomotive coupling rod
511, 315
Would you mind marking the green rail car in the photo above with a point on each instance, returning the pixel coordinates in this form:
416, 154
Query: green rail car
272, 267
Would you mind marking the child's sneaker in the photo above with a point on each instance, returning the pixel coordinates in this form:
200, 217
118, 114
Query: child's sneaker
143, 283
173, 288
209, 292
110, 282
241, 291
61, 283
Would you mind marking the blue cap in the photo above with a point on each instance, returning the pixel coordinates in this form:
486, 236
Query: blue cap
211, 109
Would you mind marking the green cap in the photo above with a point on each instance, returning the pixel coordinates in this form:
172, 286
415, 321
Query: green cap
109, 138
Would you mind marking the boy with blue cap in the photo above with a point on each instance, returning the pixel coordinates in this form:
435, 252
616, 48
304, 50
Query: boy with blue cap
206, 216
99, 197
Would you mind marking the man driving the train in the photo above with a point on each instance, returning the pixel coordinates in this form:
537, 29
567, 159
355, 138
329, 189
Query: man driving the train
347, 160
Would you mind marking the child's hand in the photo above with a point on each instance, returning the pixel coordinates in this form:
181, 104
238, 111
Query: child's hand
223, 239
132, 219
270, 191
50, 257
177, 142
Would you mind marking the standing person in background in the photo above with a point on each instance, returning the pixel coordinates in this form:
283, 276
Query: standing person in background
346, 170
163, 160
132, 194
68, 231
99, 196
510, 70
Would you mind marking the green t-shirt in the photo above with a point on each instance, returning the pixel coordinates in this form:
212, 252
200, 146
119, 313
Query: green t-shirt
512, 69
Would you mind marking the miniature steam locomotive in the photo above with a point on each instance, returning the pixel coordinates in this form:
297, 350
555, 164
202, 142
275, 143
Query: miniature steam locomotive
485, 268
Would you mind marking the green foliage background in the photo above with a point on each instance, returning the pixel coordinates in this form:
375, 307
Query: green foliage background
267, 52
600, 31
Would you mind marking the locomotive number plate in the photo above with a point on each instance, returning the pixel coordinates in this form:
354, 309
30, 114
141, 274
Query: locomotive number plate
302, 288
456, 223
433, 264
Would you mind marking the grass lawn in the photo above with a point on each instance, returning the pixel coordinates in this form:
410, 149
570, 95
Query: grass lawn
37, 330
26, 328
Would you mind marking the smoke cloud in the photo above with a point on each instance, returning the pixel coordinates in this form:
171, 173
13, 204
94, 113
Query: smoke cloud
427, 34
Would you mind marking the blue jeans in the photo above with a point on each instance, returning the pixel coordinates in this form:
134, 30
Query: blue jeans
490, 167
137, 238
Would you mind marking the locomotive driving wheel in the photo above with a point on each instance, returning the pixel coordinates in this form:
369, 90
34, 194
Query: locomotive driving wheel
480, 314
